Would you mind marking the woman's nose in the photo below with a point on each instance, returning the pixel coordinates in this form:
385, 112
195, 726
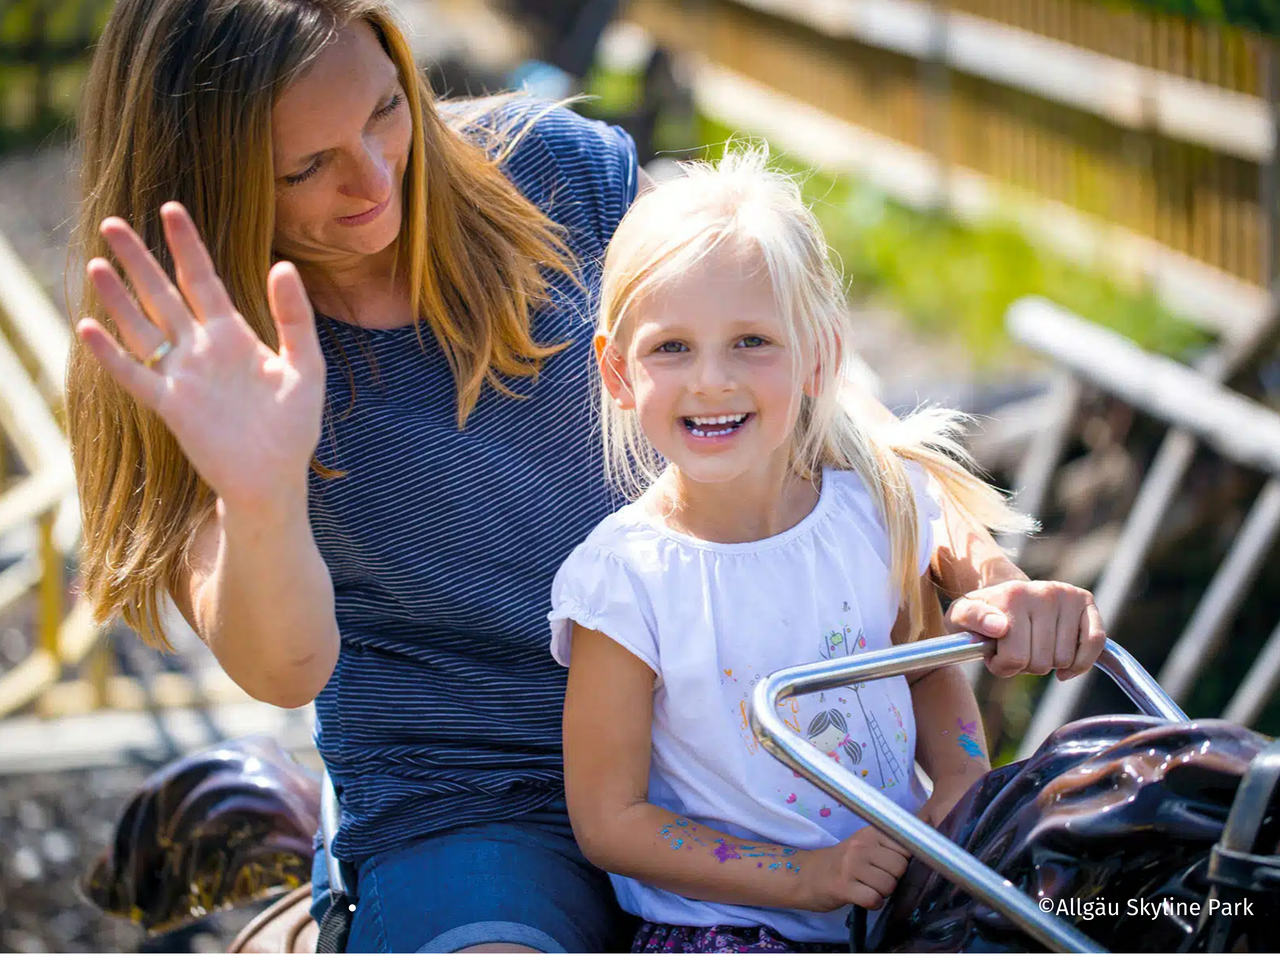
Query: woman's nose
370, 177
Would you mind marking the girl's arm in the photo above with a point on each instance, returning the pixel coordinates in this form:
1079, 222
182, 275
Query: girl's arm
608, 721
951, 745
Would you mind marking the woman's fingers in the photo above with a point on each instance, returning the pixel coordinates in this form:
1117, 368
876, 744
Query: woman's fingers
142, 384
1093, 637
295, 319
196, 274
139, 334
159, 297
1069, 635
1044, 639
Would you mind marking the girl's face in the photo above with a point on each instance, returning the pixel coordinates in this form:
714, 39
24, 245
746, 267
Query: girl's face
709, 368
340, 142
829, 740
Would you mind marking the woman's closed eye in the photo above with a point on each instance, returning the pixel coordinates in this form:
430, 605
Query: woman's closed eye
296, 178
389, 108
381, 113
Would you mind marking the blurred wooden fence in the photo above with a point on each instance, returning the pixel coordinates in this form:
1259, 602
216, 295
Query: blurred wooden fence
43, 58
1159, 127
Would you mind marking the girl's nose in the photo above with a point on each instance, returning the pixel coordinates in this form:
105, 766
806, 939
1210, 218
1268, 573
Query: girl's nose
714, 374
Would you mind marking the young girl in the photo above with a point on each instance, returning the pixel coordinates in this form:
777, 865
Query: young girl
769, 527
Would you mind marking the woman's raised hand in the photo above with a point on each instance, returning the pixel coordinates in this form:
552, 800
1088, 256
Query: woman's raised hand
247, 417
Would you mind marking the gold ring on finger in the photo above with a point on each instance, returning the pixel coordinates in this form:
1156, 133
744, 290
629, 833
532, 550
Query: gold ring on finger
158, 354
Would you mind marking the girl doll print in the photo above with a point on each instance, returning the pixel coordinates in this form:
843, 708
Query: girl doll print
829, 732
838, 643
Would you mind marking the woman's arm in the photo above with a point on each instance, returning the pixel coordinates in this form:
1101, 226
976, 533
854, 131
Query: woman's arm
248, 419
607, 745
260, 596
1039, 625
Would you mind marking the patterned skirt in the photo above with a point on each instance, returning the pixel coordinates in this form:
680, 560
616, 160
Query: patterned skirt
665, 938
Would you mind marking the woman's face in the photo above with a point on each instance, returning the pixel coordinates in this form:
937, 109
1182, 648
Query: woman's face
340, 141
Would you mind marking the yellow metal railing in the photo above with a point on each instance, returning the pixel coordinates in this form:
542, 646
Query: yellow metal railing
34, 342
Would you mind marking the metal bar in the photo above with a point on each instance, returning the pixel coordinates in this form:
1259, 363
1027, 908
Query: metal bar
1200, 641
959, 866
51, 587
1254, 693
330, 817
1253, 796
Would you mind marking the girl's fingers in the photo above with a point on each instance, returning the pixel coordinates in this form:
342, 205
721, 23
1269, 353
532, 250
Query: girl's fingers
139, 334
197, 276
159, 297
890, 861
142, 384
878, 879
865, 897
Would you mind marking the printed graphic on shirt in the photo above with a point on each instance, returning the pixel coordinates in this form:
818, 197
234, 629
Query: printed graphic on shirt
883, 759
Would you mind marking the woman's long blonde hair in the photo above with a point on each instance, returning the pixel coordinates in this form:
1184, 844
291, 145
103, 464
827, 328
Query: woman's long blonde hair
177, 106
740, 200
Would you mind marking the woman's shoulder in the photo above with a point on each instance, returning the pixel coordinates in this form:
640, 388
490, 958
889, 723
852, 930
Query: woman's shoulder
580, 172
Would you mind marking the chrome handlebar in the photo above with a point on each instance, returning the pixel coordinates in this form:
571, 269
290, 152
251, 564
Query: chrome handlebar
954, 863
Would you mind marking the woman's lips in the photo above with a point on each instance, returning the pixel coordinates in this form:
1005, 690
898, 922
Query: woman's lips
362, 218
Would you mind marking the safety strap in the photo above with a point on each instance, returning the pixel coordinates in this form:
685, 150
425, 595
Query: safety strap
335, 927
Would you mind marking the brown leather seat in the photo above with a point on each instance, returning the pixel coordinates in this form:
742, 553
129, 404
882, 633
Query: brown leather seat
284, 927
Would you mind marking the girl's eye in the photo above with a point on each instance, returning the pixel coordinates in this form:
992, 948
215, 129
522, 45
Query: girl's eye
753, 341
307, 174
390, 108
671, 346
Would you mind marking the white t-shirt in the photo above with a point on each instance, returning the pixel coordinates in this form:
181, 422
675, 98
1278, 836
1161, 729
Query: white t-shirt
711, 619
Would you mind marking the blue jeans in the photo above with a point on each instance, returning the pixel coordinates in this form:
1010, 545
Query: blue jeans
523, 881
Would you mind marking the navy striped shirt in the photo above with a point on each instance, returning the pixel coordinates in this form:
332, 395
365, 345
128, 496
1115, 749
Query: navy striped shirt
444, 708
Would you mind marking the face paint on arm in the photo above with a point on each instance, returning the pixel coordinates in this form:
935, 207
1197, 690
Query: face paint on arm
967, 739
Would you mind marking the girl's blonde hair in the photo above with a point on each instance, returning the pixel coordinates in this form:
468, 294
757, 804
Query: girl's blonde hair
177, 106
741, 201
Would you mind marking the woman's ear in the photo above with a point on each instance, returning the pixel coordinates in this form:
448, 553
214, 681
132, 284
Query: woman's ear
613, 371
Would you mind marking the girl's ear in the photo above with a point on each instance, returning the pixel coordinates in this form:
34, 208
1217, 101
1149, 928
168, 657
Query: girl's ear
613, 371
813, 385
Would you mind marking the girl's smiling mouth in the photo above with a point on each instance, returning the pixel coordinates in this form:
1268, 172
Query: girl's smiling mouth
717, 426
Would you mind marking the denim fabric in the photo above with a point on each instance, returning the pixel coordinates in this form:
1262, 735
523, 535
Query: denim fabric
523, 881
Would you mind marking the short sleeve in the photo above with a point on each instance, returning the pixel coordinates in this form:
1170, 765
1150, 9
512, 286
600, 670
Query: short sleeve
596, 589
593, 178
928, 512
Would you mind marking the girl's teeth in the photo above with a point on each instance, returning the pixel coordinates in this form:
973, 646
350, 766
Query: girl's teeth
730, 422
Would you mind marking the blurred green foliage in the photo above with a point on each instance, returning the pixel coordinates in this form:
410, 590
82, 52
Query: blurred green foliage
1260, 15
959, 279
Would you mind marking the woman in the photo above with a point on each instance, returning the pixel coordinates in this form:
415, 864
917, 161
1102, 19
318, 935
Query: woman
365, 512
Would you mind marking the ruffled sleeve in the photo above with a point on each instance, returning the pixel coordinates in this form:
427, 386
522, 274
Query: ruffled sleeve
596, 589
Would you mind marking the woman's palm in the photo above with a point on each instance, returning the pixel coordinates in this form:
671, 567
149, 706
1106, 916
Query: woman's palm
247, 417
